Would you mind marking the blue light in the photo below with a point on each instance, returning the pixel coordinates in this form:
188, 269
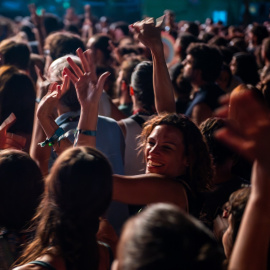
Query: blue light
220, 15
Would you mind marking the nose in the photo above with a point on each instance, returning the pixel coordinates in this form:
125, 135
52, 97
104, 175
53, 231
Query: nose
154, 150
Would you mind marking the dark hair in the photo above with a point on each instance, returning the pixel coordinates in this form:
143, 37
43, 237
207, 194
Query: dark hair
246, 68
164, 237
237, 204
200, 171
101, 42
218, 41
21, 188
218, 150
207, 59
15, 53
185, 40
17, 95
260, 31
193, 28
142, 83
62, 43
123, 26
52, 23
78, 191
266, 48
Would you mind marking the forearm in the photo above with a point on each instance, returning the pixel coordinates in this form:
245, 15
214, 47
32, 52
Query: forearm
163, 88
88, 121
49, 127
39, 154
252, 243
148, 188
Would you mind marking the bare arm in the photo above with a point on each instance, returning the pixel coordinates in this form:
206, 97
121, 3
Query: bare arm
150, 36
89, 92
251, 139
149, 188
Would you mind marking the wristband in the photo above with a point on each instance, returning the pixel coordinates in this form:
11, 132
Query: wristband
92, 133
59, 132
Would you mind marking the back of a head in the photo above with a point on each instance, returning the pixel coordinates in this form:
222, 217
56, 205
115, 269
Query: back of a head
185, 40
15, 53
17, 95
246, 68
163, 237
100, 42
85, 175
218, 150
21, 188
260, 32
62, 43
69, 98
78, 191
207, 59
193, 28
142, 83
51, 23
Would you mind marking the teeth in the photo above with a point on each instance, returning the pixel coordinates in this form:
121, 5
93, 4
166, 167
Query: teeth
154, 164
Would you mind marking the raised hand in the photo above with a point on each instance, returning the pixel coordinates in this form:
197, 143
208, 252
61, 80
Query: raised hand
250, 135
10, 140
148, 31
88, 88
48, 103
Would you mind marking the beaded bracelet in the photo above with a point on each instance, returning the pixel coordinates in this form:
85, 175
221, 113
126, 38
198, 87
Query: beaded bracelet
84, 132
59, 132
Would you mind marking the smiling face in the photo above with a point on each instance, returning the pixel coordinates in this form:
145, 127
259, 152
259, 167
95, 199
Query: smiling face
165, 152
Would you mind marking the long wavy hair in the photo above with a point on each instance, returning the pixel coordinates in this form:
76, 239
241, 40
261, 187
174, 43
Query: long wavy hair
77, 192
199, 173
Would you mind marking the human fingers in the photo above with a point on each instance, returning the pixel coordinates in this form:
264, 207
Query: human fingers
64, 86
101, 81
160, 21
71, 76
75, 67
52, 87
84, 60
89, 56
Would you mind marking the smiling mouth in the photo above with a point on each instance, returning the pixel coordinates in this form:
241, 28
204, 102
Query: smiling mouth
154, 164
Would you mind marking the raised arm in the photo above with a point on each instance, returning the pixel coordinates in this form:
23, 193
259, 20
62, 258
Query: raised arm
89, 91
148, 188
45, 114
150, 35
251, 139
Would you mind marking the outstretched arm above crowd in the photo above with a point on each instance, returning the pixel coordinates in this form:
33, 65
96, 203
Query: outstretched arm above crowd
150, 35
251, 139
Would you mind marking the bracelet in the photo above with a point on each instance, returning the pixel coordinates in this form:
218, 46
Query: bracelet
59, 132
38, 100
84, 132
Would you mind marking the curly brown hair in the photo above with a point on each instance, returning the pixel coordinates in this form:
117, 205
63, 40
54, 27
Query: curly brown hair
200, 172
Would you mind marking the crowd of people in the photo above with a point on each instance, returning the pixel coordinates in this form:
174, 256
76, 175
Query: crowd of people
116, 156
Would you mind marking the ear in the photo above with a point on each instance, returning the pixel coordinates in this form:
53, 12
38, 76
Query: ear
131, 91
